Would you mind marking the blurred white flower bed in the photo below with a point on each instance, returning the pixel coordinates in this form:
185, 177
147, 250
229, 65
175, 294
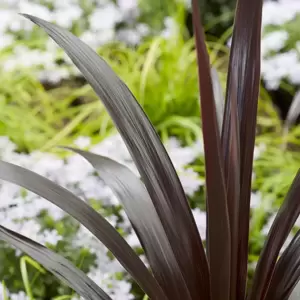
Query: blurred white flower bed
95, 22
280, 56
20, 210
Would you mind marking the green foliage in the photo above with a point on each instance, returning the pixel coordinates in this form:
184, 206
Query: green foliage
217, 14
161, 74
34, 117
292, 28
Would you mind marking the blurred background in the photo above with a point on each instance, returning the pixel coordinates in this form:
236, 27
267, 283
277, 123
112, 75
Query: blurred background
45, 102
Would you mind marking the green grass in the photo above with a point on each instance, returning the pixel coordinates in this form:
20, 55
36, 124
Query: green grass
162, 75
35, 118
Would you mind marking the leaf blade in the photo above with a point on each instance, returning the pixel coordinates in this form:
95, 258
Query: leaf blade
232, 178
243, 76
219, 97
142, 214
287, 272
94, 222
293, 112
291, 118
148, 153
56, 264
281, 227
217, 210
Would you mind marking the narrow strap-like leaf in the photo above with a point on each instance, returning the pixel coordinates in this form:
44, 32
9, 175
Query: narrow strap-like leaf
218, 239
232, 178
142, 214
294, 112
282, 225
56, 264
88, 217
295, 295
287, 272
148, 153
219, 97
244, 77
291, 118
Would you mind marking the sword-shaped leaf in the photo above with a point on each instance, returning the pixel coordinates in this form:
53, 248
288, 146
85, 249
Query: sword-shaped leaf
56, 264
148, 153
219, 97
88, 217
287, 272
141, 212
243, 88
218, 231
282, 225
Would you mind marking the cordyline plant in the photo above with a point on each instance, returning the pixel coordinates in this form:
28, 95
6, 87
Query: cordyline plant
157, 207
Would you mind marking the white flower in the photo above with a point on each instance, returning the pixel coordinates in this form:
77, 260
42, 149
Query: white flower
298, 46
267, 227
100, 29
105, 18
280, 12
294, 74
28, 58
53, 76
34, 9
6, 146
130, 36
127, 4
50, 237
112, 220
187, 3
286, 243
277, 66
5, 40
171, 28
66, 17
82, 142
274, 69
93, 188
96, 39
75, 170
190, 181
258, 150
274, 41
200, 219
133, 240
256, 200
143, 29
121, 290
19, 210
3, 290
297, 223
45, 164
180, 156
20, 296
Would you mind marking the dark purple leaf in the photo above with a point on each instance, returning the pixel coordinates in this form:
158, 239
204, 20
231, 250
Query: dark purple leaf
287, 272
56, 264
139, 207
218, 239
88, 217
242, 85
281, 227
148, 153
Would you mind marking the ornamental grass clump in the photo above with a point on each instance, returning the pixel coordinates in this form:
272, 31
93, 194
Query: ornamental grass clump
180, 267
